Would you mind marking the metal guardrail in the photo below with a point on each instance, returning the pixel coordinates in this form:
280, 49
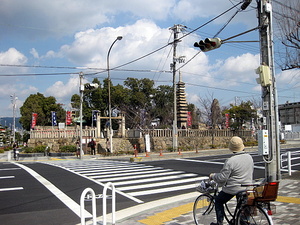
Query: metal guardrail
287, 158
89, 195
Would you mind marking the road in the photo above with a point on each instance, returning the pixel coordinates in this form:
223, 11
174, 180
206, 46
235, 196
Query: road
49, 192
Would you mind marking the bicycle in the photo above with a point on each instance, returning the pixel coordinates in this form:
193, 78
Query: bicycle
16, 154
252, 207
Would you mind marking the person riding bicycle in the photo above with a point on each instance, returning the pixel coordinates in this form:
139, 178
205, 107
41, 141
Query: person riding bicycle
237, 170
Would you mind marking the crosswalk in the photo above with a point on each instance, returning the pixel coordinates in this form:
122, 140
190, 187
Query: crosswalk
132, 178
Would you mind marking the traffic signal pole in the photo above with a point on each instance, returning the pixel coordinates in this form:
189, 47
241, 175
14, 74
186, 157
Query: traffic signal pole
269, 93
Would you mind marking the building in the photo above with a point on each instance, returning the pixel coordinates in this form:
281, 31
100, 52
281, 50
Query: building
289, 113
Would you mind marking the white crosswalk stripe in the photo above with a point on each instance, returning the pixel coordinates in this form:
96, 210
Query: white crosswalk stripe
132, 178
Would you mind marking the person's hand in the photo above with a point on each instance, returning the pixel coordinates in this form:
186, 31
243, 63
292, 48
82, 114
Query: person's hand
211, 176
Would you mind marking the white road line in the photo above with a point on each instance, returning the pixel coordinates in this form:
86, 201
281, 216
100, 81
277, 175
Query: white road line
11, 189
153, 179
139, 177
7, 177
162, 190
110, 171
58, 193
129, 174
219, 163
10, 169
158, 184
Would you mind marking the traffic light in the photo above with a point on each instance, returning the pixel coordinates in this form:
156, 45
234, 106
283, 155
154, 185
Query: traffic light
208, 44
264, 76
245, 4
91, 86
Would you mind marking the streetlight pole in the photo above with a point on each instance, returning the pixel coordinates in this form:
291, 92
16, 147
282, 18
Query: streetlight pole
109, 98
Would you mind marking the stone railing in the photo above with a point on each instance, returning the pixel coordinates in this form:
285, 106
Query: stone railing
57, 134
198, 133
92, 133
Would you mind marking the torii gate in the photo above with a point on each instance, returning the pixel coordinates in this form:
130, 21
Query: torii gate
121, 125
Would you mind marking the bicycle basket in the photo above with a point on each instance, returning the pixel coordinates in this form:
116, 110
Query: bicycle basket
268, 192
206, 186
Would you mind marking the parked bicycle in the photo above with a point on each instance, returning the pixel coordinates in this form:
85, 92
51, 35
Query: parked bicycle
251, 207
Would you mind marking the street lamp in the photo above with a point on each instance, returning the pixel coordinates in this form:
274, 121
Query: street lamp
109, 99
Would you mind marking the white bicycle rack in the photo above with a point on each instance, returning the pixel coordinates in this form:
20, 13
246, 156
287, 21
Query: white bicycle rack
91, 196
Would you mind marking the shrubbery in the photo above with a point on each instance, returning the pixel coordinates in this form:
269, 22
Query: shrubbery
68, 148
37, 149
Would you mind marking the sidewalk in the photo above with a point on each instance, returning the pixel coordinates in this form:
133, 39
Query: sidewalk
180, 213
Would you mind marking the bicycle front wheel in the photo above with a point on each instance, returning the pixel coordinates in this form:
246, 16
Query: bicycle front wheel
252, 215
203, 210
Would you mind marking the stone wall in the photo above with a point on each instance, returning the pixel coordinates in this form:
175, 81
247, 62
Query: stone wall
128, 144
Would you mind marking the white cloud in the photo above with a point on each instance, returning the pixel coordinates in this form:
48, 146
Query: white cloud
12, 56
63, 91
34, 53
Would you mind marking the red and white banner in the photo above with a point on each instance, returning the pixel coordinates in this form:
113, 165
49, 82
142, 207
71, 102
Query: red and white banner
227, 120
33, 120
189, 119
68, 118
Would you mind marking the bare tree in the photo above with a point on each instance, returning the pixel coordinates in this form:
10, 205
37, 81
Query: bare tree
287, 18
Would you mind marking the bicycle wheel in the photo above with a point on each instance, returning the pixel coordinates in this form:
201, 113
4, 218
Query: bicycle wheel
251, 215
203, 209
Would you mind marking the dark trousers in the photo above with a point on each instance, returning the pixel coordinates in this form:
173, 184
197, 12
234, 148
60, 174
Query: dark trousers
220, 200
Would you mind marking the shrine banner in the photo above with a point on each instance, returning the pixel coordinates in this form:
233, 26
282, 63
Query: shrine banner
189, 119
53, 118
33, 120
227, 118
68, 118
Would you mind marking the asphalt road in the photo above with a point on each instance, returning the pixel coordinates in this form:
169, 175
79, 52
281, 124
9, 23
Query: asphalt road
49, 192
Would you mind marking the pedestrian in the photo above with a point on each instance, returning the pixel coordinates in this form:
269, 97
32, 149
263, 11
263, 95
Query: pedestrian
237, 170
77, 149
15, 150
92, 145
107, 145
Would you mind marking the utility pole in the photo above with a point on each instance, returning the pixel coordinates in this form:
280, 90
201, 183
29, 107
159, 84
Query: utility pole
81, 89
269, 93
13, 100
176, 30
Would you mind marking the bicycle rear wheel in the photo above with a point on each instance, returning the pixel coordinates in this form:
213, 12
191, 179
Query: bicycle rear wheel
203, 210
251, 215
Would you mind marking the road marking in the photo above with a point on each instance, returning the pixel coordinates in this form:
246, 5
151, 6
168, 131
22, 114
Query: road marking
10, 169
162, 190
97, 182
158, 184
140, 176
7, 177
124, 174
210, 162
11, 189
58, 193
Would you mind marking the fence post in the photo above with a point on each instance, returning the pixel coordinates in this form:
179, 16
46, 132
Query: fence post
82, 216
113, 212
289, 163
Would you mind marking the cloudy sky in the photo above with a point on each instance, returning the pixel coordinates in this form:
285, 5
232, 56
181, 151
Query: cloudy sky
44, 45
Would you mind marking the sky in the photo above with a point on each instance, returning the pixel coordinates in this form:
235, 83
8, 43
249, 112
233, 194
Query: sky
44, 45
